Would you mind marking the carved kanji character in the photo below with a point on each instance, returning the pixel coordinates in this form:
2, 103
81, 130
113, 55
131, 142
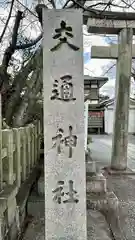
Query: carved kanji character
71, 194
58, 140
70, 141
58, 192
66, 89
55, 92
68, 33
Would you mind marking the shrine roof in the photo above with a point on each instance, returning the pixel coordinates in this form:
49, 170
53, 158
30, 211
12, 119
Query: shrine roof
100, 81
111, 101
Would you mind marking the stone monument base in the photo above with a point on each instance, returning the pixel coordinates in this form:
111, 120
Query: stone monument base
102, 202
95, 183
111, 171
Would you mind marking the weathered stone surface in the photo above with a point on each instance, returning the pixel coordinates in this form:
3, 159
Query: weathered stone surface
96, 183
9, 195
86, 123
3, 206
124, 188
127, 171
91, 167
24, 191
13, 231
102, 201
98, 228
122, 93
8, 212
41, 189
12, 211
108, 26
65, 220
108, 52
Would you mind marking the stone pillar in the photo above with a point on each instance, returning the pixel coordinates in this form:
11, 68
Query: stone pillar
123, 78
86, 104
63, 82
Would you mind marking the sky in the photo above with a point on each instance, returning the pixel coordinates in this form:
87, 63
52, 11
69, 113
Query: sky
92, 67
97, 67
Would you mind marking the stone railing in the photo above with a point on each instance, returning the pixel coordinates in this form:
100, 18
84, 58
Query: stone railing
19, 151
19, 155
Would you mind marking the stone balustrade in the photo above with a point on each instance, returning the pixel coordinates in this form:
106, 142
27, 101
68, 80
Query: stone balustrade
19, 155
19, 151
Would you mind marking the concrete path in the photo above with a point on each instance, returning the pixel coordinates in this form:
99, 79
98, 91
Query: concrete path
101, 150
97, 226
124, 189
122, 186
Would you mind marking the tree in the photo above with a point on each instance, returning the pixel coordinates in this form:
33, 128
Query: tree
21, 77
103, 97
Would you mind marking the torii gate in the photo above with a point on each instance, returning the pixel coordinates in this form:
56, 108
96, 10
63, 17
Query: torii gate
124, 54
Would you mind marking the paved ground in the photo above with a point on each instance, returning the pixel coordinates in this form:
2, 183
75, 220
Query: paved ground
97, 227
101, 150
124, 188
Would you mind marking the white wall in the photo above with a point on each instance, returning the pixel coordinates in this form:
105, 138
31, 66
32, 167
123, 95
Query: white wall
131, 125
86, 104
109, 118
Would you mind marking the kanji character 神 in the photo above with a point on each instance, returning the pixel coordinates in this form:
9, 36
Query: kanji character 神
58, 140
70, 141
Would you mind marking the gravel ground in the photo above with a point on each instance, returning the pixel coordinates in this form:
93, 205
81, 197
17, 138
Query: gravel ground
124, 188
35, 230
97, 228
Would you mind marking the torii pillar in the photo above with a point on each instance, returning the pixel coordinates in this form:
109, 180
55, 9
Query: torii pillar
123, 53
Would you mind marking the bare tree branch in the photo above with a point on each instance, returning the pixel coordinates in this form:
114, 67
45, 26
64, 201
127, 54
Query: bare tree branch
38, 9
80, 5
110, 15
129, 5
27, 8
30, 44
66, 3
6, 24
53, 3
109, 69
19, 83
106, 5
10, 50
